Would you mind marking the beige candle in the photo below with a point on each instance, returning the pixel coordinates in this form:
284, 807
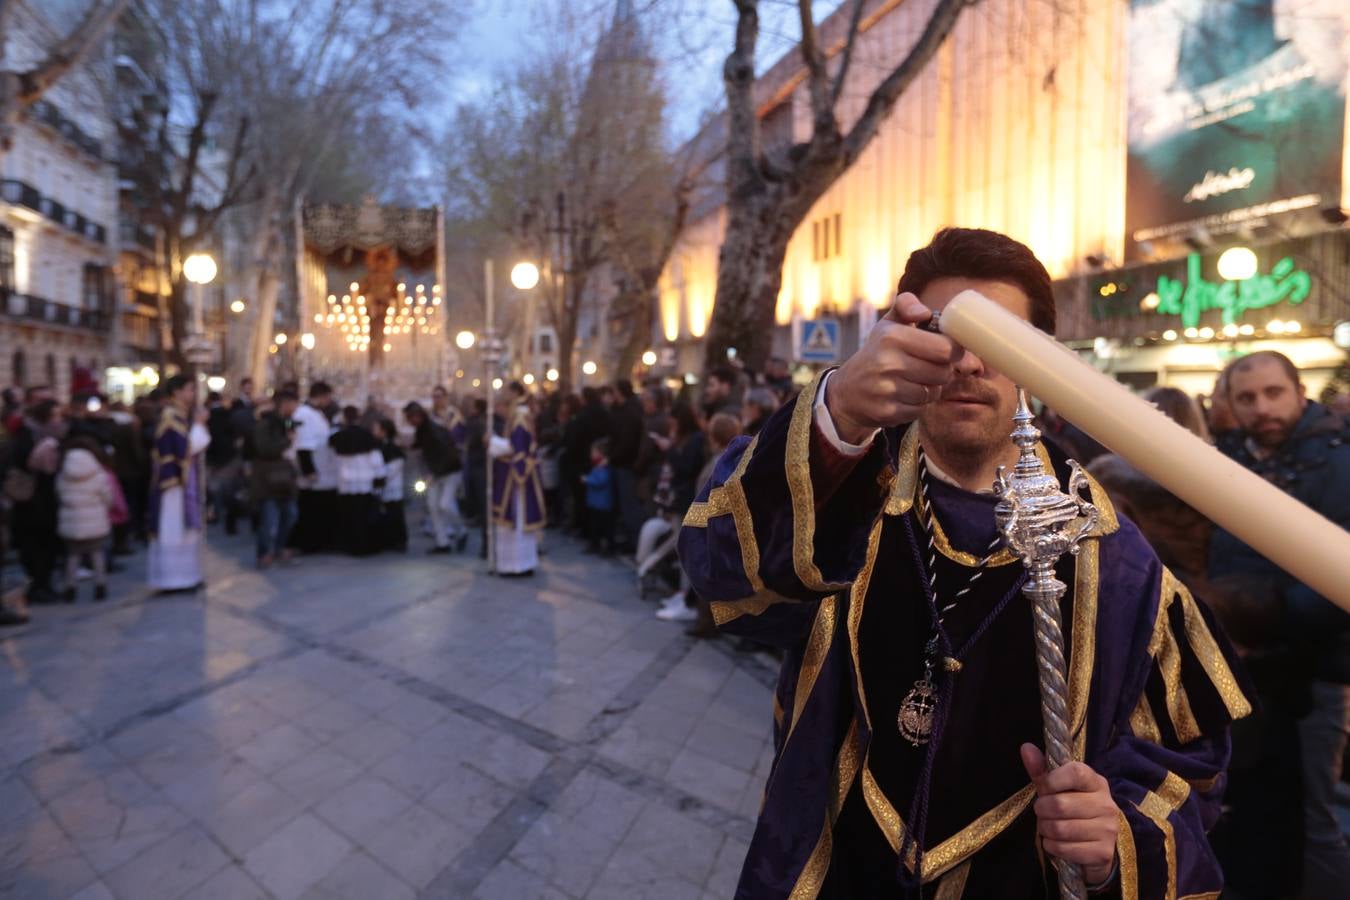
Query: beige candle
1305, 544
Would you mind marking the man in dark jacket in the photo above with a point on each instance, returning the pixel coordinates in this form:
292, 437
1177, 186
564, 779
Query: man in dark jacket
1303, 448
442, 459
33, 519
625, 439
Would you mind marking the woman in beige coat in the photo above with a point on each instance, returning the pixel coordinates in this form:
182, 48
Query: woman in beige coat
86, 496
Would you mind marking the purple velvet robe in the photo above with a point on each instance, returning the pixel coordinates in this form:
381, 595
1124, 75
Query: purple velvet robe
173, 467
831, 580
517, 475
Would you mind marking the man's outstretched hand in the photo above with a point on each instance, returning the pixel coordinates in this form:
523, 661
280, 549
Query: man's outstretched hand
893, 375
1076, 816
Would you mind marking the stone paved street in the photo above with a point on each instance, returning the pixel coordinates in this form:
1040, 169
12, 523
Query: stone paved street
377, 729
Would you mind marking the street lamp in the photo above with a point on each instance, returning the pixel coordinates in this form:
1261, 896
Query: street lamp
1237, 264
524, 276
649, 358
200, 269
307, 341
588, 367
464, 340
551, 374
280, 339
237, 307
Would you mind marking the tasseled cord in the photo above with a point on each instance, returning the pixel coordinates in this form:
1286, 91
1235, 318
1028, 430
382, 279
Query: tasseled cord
911, 881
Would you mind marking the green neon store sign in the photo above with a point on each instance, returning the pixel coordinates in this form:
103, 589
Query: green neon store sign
1193, 295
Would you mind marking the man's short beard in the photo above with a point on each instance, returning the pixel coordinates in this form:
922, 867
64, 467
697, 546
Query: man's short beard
962, 454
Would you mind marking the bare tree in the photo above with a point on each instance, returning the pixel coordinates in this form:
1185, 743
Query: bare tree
20, 90
263, 104
568, 159
769, 195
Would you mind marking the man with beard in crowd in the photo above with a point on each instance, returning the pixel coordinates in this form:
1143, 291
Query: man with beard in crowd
1304, 449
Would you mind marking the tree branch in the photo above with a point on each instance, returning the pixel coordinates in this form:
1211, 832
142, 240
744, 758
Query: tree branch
940, 25
854, 23
817, 77
738, 78
70, 52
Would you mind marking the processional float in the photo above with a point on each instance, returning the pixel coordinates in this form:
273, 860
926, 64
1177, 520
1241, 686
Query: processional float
1039, 522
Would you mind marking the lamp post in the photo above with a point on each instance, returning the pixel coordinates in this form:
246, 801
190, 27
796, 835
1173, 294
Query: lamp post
200, 270
524, 276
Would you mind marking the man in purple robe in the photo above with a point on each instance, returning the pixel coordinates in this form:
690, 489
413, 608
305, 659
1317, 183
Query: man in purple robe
857, 532
177, 493
517, 491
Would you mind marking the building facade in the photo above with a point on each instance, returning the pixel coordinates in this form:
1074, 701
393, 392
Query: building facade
58, 215
1070, 127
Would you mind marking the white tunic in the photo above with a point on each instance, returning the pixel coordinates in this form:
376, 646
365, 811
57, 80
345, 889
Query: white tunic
312, 431
175, 558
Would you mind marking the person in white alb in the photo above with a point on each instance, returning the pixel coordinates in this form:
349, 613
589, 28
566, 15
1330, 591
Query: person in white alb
178, 493
313, 531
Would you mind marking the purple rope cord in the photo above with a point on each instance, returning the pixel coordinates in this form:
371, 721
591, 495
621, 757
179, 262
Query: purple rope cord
918, 812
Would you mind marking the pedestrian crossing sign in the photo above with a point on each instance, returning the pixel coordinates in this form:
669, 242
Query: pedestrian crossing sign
819, 341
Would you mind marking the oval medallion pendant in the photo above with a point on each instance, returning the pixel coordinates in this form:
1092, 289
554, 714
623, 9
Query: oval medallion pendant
916, 712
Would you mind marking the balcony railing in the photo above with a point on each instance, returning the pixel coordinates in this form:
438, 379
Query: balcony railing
23, 194
40, 309
46, 112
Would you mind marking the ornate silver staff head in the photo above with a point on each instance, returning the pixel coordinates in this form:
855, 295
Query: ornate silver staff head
1040, 522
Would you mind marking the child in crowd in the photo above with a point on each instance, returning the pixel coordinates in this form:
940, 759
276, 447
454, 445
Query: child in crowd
599, 501
83, 519
393, 525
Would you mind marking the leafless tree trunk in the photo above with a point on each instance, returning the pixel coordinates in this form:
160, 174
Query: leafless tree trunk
20, 90
767, 199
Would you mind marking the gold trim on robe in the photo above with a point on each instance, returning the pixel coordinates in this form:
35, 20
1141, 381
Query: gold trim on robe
1128, 859
817, 648
1158, 809
817, 865
797, 465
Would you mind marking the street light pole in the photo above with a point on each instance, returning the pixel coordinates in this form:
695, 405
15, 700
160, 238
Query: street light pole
489, 359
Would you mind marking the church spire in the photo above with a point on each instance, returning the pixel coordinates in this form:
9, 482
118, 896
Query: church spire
623, 11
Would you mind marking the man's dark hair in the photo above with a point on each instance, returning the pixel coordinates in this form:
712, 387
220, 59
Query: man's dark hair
601, 446
283, 395
479, 406
176, 383
724, 374
590, 396
246, 380
320, 389
988, 255
42, 411
517, 388
414, 409
625, 388
1244, 363
213, 397
351, 415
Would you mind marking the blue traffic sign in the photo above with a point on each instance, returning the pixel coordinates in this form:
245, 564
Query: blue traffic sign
820, 341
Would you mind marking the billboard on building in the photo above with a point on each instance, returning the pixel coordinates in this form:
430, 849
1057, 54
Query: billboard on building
1236, 113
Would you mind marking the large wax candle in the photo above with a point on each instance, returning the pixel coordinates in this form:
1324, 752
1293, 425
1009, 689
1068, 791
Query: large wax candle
1304, 543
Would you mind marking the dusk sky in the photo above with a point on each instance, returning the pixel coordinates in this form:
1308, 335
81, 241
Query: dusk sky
691, 36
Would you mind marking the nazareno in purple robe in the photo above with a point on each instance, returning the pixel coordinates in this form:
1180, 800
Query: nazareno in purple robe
516, 476
831, 580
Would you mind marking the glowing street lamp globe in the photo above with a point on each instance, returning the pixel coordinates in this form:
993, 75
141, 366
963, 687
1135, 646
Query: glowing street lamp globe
524, 275
199, 268
1237, 264
237, 307
464, 340
589, 367
551, 374
649, 358
307, 341
280, 339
